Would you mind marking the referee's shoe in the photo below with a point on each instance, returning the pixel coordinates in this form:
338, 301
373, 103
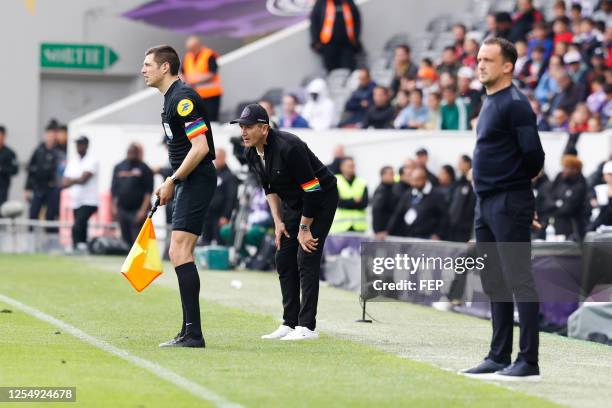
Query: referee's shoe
185, 340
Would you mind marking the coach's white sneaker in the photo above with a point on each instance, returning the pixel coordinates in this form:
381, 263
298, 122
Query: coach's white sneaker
301, 333
281, 332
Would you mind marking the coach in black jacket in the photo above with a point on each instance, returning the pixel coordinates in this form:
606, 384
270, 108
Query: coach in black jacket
421, 212
303, 198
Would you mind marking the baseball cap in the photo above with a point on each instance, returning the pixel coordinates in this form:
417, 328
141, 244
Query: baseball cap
82, 139
572, 57
607, 168
252, 114
465, 72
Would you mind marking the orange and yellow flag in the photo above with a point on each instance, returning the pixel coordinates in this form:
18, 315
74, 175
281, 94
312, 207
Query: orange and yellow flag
143, 263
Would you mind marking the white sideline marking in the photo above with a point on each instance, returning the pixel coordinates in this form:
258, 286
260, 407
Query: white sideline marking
154, 368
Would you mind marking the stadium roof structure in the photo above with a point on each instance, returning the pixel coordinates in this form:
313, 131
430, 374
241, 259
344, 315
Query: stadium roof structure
231, 18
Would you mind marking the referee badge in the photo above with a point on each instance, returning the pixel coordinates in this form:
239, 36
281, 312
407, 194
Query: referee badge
184, 107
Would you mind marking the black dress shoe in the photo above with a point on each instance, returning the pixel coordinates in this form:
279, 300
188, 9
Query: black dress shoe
486, 367
519, 371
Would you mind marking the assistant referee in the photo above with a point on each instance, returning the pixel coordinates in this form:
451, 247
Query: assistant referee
191, 151
507, 156
303, 198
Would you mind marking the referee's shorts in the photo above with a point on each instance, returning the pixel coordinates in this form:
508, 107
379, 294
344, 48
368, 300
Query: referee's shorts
192, 197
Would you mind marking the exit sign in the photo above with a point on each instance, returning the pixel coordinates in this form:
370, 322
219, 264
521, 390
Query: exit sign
94, 57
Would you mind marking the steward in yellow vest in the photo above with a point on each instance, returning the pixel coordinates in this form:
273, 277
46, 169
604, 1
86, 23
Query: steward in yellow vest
353, 192
201, 72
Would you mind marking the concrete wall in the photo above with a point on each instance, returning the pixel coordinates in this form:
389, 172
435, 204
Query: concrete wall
35, 96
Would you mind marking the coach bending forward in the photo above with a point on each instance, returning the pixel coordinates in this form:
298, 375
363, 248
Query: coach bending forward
507, 156
303, 198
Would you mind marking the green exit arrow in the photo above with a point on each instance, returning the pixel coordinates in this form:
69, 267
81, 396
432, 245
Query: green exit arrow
94, 57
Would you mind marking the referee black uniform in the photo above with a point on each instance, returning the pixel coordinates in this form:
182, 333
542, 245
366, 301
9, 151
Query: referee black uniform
183, 118
307, 188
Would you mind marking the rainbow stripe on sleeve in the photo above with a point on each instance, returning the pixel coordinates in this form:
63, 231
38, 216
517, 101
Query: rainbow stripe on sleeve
312, 185
197, 128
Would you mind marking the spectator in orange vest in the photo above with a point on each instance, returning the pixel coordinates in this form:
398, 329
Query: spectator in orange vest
201, 72
335, 28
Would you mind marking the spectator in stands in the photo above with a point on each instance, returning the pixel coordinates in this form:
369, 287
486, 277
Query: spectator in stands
415, 115
353, 192
569, 93
269, 107
491, 24
561, 31
131, 190
547, 85
569, 192
8, 166
446, 181
360, 100
606, 111
201, 72
421, 211
542, 193
541, 120
598, 65
559, 121
454, 113
470, 48
319, 110
402, 100
223, 202
335, 32
381, 114
561, 49
541, 38
338, 156
459, 31
503, 25
575, 16
522, 57
403, 67
290, 118
603, 200
559, 9
594, 124
534, 68
422, 158
470, 96
604, 13
524, 20
579, 119
41, 188
427, 77
589, 38
434, 115
81, 176
576, 69
383, 201
449, 62
462, 204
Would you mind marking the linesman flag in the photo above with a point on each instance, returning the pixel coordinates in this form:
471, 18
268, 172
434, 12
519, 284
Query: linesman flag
143, 263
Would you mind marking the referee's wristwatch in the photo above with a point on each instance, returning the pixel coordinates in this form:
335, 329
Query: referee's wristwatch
304, 227
175, 179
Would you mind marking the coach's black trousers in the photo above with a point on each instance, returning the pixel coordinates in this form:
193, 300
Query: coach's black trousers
503, 233
298, 269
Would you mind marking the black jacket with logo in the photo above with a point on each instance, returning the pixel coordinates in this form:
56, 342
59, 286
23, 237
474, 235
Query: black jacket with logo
292, 171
